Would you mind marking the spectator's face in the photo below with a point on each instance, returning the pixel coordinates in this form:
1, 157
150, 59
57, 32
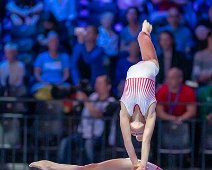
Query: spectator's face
91, 34
107, 21
10, 54
101, 85
53, 43
174, 78
132, 15
165, 41
174, 17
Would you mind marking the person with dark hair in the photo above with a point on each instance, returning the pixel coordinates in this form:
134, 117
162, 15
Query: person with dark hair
87, 57
131, 31
171, 57
202, 68
92, 125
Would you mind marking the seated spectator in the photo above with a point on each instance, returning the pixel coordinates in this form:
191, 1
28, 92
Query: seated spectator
92, 125
171, 57
12, 74
205, 97
159, 9
201, 8
207, 21
202, 68
107, 38
124, 64
51, 67
201, 33
183, 36
87, 57
99, 7
125, 4
46, 23
131, 31
63, 10
24, 11
180, 98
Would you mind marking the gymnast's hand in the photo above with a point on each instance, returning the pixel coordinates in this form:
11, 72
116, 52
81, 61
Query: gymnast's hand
146, 27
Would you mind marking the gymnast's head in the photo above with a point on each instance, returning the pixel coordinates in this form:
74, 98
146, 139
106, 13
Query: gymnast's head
137, 124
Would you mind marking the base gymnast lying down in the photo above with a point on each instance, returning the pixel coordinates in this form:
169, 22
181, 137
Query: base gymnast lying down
137, 115
113, 164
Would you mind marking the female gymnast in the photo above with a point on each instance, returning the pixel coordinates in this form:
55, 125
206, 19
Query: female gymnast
137, 115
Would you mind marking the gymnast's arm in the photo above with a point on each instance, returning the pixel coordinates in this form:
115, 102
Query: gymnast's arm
126, 133
147, 48
148, 131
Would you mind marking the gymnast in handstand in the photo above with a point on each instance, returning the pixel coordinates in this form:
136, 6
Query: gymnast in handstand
137, 115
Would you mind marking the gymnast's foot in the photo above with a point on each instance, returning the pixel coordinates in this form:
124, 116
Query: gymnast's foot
43, 165
147, 27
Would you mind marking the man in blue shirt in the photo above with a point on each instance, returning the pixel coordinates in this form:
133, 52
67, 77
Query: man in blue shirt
87, 58
182, 34
51, 67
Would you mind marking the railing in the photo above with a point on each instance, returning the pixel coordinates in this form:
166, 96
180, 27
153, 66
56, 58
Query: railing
27, 137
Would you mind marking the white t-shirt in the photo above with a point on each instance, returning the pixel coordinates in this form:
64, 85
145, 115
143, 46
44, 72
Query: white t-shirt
90, 126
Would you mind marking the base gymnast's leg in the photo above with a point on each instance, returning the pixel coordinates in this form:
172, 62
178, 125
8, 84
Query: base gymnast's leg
113, 164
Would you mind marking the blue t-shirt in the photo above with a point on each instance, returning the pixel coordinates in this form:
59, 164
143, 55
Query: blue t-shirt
52, 68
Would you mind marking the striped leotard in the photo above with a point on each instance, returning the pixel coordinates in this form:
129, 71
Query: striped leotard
140, 86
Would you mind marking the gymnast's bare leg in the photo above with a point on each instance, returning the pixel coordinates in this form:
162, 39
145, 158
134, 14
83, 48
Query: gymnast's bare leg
113, 164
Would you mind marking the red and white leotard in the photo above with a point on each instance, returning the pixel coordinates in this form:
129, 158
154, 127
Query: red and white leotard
140, 86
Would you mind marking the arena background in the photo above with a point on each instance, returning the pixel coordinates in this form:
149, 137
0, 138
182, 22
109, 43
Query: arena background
63, 65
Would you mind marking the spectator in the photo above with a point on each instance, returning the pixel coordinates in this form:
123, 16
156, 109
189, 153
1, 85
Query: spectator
107, 38
51, 67
170, 57
201, 33
181, 33
205, 97
159, 9
125, 4
87, 57
24, 11
124, 64
46, 23
202, 68
90, 130
63, 10
207, 21
12, 74
179, 98
131, 31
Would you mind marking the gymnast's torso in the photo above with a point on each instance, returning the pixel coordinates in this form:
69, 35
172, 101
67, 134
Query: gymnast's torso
139, 87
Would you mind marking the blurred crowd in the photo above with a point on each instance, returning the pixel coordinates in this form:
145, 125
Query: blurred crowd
82, 49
